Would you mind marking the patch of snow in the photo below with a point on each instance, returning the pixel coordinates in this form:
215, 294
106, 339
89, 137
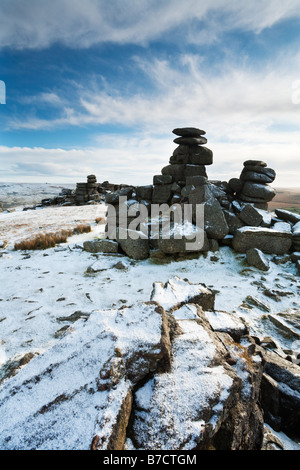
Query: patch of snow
186, 312
287, 443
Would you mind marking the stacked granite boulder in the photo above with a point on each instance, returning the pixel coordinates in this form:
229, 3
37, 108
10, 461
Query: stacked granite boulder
253, 184
187, 167
87, 192
234, 213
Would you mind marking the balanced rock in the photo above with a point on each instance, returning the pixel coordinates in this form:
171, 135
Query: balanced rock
188, 132
253, 184
194, 154
190, 141
258, 191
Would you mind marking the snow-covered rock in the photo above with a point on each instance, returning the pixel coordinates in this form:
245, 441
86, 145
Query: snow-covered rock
177, 292
265, 239
71, 396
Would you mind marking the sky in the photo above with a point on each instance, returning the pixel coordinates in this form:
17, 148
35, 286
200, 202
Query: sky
96, 87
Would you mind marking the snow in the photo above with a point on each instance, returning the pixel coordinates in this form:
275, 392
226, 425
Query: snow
296, 229
222, 321
18, 225
166, 427
282, 228
41, 291
66, 379
27, 194
286, 441
32, 283
175, 292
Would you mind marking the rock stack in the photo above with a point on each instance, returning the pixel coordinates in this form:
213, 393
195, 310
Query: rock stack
233, 213
186, 169
86, 192
253, 184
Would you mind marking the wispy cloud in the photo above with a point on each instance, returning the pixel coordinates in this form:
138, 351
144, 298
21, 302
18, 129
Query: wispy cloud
82, 24
49, 98
225, 98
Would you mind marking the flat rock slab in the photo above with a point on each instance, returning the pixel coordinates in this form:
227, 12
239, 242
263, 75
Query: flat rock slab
190, 141
76, 393
267, 240
188, 131
287, 215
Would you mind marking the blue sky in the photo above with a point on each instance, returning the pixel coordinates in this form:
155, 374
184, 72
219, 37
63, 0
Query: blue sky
97, 87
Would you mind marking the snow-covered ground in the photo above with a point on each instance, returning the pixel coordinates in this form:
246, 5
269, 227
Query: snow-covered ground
21, 194
42, 293
40, 289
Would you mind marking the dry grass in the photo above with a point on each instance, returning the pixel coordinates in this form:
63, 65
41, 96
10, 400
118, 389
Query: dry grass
287, 199
42, 241
82, 228
100, 220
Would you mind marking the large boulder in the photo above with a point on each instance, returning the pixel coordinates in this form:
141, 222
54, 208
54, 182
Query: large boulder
233, 221
288, 216
101, 246
134, 243
183, 238
162, 193
180, 409
258, 191
281, 393
215, 223
265, 239
78, 394
257, 259
250, 215
202, 402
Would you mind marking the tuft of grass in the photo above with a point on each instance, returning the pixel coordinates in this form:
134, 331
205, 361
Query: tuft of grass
82, 228
100, 220
42, 241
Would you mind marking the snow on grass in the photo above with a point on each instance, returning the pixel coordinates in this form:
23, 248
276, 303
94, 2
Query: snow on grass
27, 194
40, 290
19, 225
47, 297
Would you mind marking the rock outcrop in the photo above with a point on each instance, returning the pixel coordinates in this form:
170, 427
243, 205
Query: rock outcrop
190, 207
173, 373
253, 184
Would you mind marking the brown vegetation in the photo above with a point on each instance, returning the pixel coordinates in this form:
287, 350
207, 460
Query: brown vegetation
287, 199
100, 220
42, 241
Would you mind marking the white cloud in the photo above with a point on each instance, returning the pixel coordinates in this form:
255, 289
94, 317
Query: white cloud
228, 100
49, 98
40, 23
247, 113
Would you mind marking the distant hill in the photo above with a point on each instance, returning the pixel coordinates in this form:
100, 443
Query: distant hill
20, 194
286, 198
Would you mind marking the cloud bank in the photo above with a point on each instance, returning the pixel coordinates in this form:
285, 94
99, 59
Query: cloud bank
40, 23
247, 100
